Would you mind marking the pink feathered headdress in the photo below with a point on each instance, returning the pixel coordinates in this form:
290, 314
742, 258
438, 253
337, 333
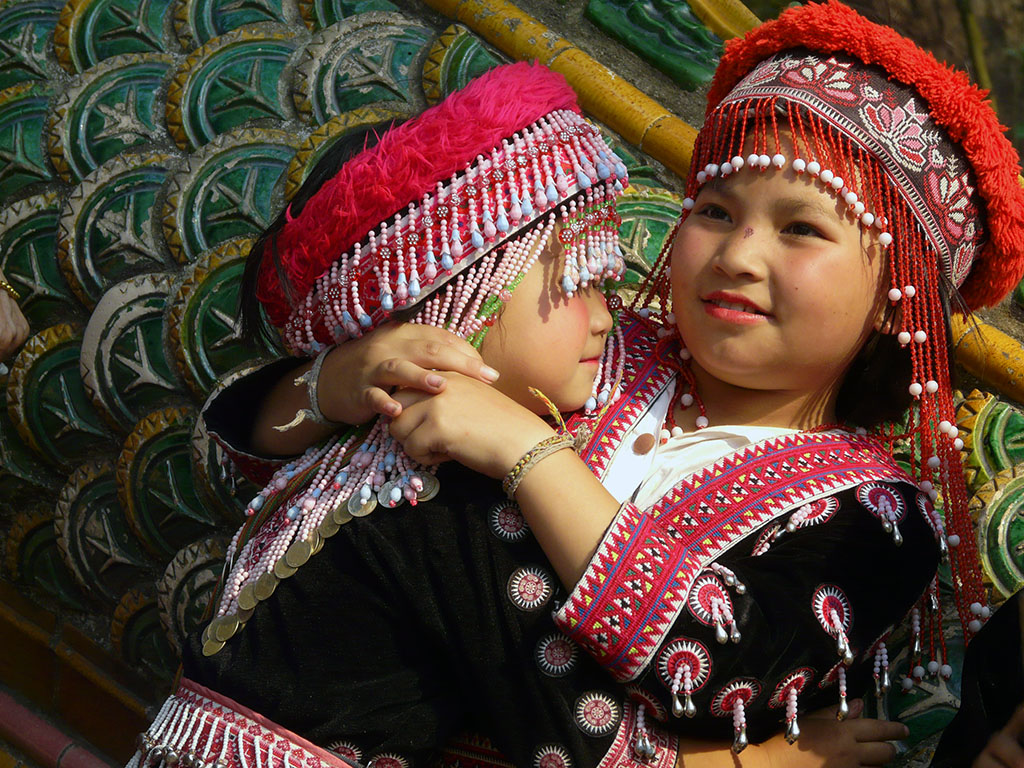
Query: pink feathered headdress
406, 164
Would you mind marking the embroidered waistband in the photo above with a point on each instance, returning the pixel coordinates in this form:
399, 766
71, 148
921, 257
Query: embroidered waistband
199, 727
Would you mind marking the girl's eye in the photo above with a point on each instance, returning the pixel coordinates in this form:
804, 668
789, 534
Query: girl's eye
715, 212
802, 230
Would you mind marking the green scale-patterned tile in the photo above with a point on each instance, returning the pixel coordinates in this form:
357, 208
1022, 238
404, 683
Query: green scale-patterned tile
124, 367
109, 225
226, 189
138, 636
155, 483
32, 556
666, 33
93, 533
998, 512
23, 477
648, 218
231, 80
22, 119
203, 322
368, 58
28, 240
993, 433
187, 585
48, 402
90, 31
110, 107
196, 22
322, 13
25, 29
454, 59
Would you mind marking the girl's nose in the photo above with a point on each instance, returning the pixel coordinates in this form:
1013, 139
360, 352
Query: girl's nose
597, 306
742, 254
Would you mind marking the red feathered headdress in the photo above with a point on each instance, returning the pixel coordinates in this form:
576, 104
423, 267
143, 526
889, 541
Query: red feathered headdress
953, 102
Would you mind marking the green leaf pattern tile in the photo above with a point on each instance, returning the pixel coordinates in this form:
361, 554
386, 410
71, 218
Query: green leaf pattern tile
455, 58
230, 81
123, 363
108, 226
196, 22
22, 120
107, 109
48, 402
154, 483
368, 58
28, 240
25, 29
89, 31
203, 321
226, 190
187, 586
322, 13
93, 533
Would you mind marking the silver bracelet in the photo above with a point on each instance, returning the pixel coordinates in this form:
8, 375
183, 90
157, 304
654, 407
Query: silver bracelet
311, 379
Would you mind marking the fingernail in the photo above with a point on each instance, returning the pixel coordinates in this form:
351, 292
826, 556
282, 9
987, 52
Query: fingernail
435, 380
906, 731
392, 409
488, 373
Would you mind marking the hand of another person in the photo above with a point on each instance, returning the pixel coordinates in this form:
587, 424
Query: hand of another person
831, 743
468, 422
13, 326
1004, 749
356, 376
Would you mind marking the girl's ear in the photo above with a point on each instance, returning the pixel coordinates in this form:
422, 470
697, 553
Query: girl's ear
887, 318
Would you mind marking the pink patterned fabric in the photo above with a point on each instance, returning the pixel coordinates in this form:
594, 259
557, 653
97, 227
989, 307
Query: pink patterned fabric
892, 122
642, 573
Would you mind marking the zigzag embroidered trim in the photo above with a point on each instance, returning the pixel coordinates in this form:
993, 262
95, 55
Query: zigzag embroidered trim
195, 730
659, 748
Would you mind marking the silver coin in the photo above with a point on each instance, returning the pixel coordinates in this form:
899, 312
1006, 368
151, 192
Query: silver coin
356, 508
384, 495
431, 485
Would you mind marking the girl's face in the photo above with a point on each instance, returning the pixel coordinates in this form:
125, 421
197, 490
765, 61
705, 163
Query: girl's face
774, 286
545, 340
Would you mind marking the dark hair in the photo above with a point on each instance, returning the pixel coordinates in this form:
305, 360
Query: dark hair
875, 388
254, 326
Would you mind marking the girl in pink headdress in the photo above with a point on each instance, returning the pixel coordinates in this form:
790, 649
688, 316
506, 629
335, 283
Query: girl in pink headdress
372, 605
750, 540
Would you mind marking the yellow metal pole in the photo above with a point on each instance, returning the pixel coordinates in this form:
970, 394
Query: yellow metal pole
625, 109
993, 356
726, 18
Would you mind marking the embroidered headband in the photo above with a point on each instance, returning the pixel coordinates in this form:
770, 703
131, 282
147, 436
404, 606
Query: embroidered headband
437, 194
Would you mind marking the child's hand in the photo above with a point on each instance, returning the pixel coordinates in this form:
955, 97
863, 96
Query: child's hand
469, 422
1004, 749
829, 743
356, 376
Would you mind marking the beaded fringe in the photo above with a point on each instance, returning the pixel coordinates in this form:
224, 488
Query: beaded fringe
197, 731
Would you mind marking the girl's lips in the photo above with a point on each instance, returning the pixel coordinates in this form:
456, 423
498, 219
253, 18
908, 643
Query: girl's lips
733, 308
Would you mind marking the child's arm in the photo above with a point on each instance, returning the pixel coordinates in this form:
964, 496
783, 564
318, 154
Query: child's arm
354, 381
